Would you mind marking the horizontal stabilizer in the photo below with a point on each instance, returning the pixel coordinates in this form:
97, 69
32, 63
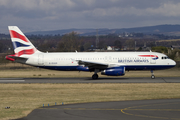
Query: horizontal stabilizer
16, 59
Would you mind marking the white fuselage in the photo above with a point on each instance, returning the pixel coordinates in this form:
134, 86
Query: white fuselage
131, 60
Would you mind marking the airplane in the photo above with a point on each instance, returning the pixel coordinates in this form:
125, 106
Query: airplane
108, 63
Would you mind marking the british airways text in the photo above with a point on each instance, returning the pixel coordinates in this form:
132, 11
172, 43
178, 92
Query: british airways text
129, 61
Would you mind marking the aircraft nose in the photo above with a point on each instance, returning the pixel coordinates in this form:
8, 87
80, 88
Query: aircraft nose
173, 63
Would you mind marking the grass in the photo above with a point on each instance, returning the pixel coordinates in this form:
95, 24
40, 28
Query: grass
23, 98
16, 70
169, 40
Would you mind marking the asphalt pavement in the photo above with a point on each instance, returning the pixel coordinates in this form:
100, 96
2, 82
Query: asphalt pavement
89, 80
122, 110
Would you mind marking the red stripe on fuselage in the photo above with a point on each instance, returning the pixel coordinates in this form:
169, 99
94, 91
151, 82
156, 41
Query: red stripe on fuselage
148, 55
14, 34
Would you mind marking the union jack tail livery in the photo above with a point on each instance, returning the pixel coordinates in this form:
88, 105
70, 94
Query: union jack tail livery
22, 46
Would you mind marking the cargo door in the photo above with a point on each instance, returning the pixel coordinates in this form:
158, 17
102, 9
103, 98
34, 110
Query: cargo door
40, 59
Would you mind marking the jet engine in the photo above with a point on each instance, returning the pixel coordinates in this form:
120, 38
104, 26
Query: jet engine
118, 71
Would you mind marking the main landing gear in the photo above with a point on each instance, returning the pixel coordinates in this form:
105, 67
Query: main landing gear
152, 75
95, 75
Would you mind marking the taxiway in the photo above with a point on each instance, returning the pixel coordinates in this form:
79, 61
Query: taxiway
124, 110
89, 80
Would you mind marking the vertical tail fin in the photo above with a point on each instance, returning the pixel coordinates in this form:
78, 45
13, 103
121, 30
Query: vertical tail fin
21, 44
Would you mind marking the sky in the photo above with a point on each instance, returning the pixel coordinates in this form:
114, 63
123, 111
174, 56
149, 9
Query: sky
45, 15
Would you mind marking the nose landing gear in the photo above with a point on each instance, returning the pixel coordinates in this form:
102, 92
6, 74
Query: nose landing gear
152, 75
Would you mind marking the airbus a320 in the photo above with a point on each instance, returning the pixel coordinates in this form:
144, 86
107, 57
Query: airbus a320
107, 63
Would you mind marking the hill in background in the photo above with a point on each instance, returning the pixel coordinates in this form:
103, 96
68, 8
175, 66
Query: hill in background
159, 29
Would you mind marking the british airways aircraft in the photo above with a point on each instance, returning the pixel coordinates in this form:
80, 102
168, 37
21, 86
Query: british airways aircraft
108, 63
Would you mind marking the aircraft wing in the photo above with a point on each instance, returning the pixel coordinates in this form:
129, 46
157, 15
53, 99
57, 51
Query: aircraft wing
92, 65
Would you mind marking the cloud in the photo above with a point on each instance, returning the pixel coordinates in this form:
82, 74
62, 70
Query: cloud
63, 14
167, 9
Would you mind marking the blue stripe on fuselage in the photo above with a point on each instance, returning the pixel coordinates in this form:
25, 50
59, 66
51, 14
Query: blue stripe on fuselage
149, 67
75, 68
61, 68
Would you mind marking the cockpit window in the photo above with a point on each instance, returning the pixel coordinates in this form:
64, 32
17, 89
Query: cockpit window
165, 57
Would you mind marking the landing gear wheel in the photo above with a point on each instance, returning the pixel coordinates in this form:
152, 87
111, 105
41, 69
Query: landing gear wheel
95, 76
152, 77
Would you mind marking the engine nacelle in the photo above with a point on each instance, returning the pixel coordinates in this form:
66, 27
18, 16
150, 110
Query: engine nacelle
82, 68
118, 71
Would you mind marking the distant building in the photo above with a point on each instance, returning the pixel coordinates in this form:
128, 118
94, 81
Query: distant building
113, 48
110, 48
175, 47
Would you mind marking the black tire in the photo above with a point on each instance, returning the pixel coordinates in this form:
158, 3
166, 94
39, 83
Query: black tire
95, 76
